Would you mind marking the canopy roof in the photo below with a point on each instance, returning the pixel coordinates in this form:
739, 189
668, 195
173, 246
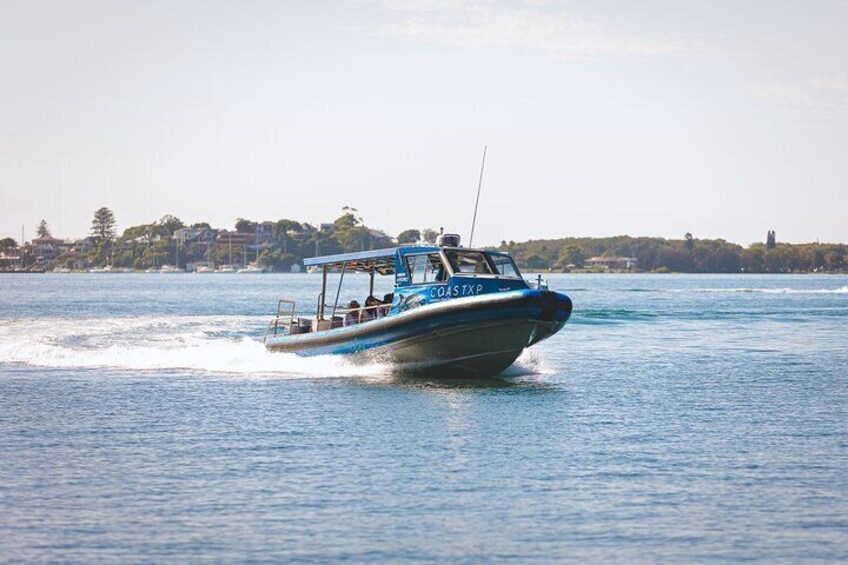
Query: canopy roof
381, 260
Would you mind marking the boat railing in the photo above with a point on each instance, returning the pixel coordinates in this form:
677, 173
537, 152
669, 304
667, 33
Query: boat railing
540, 283
283, 320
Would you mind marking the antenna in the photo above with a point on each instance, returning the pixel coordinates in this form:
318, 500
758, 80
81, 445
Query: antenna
477, 202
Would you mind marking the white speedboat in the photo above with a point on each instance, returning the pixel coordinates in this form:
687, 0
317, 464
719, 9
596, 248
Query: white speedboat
251, 269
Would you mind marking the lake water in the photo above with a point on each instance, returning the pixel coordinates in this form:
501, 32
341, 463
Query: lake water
674, 419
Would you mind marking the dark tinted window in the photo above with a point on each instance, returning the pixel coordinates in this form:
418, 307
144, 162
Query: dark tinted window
469, 262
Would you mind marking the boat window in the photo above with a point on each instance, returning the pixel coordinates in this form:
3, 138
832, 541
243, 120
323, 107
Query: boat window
426, 268
505, 266
469, 262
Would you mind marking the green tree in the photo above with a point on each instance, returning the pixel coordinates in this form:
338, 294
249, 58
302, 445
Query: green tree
409, 236
282, 227
8, 244
429, 235
171, 224
245, 226
103, 225
42, 231
571, 255
536, 262
771, 240
689, 241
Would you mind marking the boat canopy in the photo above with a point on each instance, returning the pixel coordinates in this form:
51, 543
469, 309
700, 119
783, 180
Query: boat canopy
379, 260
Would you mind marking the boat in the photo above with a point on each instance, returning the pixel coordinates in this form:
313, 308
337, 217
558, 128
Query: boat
169, 269
250, 269
226, 269
454, 312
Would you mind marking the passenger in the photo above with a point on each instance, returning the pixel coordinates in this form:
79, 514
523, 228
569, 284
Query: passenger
352, 315
387, 305
370, 311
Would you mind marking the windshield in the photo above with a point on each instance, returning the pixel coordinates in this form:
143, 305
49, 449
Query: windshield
469, 262
505, 266
425, 268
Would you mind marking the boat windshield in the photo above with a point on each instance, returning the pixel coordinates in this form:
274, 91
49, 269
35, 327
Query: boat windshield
426, 268
505, 266
469, 262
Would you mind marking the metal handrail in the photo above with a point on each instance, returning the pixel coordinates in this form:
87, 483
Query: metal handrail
281, 313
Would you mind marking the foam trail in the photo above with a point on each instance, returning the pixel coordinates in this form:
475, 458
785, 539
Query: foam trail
157, 344
531, 362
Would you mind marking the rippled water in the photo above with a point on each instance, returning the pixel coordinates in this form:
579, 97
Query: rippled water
675, 418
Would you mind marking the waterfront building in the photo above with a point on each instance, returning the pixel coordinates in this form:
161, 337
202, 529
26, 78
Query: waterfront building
612, 263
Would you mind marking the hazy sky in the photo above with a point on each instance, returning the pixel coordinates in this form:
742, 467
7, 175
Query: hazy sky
723, 118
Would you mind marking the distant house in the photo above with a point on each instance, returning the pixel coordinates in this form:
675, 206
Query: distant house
195, 235
612, 263
327, 227
183, 235
9, 261
46, 248
226, 237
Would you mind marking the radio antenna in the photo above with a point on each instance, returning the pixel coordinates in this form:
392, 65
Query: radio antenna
477, 202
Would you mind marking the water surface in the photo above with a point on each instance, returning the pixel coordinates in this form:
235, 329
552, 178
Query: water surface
674, 419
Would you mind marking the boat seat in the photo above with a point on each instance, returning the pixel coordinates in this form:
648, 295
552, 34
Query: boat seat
303, 326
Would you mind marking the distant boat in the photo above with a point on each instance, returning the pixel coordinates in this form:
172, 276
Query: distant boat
454, 311
204, 269
251, 269
61, 270
168, 269
226, 269
106, 269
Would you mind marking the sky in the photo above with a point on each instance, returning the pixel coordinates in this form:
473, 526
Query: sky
720, 118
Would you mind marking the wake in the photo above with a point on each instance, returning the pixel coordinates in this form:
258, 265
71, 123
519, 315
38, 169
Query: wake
196, 344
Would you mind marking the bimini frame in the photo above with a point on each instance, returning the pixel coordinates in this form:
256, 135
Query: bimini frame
377, 261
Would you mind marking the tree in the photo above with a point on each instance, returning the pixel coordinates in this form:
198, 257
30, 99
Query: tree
42, 231
171, 223
429, 235
771, 240
535, 262
571, 255
245, 226
8, 244
103, 225
409, 236
689, 241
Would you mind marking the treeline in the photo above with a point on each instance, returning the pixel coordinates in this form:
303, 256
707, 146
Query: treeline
274, 245
687, 255
281, 244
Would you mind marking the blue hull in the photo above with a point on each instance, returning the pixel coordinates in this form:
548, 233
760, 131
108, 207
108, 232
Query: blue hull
477, 336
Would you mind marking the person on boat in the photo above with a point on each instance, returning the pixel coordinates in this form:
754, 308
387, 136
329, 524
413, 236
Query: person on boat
386, 305
352, 315
370, 311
